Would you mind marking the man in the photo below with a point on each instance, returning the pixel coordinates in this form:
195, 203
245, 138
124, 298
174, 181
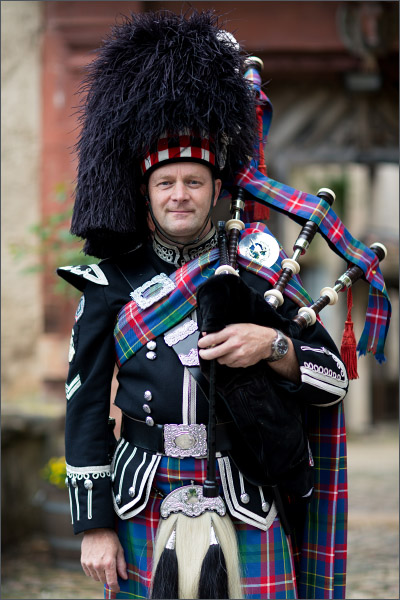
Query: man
147, 182
179, 195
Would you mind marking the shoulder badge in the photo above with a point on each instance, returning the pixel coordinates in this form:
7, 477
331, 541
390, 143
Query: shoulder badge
80, 309
91, 272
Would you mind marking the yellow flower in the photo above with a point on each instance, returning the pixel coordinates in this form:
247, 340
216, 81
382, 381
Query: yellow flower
55, 471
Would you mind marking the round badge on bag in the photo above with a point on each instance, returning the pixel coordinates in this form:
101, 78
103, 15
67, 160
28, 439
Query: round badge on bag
260, 247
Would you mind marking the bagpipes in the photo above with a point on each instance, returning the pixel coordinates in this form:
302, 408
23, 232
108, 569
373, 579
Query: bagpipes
224, 299
198, 557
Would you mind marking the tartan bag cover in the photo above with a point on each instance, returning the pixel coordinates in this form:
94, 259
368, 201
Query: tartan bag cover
323, 549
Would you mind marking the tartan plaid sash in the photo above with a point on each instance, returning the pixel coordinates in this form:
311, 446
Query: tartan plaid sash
135, 327
300, 207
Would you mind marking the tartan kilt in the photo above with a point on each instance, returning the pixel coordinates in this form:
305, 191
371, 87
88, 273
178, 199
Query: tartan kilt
266, 556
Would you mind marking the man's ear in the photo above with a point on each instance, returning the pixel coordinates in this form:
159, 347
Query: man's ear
144, 190
218, 184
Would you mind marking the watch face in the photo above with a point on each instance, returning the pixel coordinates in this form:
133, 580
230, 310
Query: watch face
279, 347
282, 346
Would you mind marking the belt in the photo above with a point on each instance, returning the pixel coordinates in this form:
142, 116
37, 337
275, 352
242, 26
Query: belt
179, 441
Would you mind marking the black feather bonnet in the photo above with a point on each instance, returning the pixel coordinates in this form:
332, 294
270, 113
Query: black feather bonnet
156, 73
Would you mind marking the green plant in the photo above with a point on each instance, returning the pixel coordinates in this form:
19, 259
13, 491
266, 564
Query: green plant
52, 244
55, 472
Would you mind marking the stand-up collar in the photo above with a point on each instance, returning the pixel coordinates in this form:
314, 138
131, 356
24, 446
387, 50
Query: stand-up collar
179, 256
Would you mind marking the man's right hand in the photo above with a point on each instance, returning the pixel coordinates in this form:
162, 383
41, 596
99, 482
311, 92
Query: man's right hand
102, 557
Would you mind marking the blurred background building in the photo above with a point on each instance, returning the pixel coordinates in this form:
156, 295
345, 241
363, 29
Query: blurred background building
332, 73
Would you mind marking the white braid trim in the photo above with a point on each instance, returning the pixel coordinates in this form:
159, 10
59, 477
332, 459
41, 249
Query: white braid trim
85, 472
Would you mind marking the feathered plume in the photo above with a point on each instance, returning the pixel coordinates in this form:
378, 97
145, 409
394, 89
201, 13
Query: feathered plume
156, 73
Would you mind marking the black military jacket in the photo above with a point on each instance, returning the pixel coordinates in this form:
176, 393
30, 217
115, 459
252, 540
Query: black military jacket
153, 387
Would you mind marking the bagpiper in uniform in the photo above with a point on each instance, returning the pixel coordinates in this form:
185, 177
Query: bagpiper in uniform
169, 89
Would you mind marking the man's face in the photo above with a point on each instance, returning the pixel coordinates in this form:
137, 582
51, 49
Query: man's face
180, 197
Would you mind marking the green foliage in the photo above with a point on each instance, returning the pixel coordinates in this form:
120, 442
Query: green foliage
52, 244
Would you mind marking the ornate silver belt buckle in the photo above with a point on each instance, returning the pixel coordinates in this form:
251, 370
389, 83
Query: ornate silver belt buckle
190, 501
181, 441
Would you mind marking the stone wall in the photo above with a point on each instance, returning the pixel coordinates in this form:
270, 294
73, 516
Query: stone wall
21, 30
28, 435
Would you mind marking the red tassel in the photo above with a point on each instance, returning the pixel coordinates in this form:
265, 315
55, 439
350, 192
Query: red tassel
348, 348
262, 167
260, 212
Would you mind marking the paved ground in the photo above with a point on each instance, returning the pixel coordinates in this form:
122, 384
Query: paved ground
373, 535
373, 552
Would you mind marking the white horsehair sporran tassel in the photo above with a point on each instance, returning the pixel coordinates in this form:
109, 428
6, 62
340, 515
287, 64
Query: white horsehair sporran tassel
195, 552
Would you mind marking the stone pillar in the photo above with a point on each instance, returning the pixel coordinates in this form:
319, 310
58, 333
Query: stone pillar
21, 31
385, 199
358, 402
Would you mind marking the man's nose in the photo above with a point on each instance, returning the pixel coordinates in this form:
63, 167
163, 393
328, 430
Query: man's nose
179, 192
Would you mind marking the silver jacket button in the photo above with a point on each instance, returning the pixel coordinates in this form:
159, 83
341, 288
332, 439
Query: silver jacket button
118, 499
146, 408
67, 481
148, 395
151, 355
131, 492
113, 477
245, 498
151, 345
73, 481
149, 421
265, 506
88, 484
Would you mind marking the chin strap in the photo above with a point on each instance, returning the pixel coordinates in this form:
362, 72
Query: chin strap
176, 242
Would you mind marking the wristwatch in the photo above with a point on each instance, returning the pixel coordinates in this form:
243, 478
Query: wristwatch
279, 347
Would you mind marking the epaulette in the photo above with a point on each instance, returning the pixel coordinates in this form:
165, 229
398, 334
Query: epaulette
77, 275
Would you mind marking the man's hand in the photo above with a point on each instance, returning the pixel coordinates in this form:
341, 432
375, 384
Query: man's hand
245, 344
238, 345
102, 557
